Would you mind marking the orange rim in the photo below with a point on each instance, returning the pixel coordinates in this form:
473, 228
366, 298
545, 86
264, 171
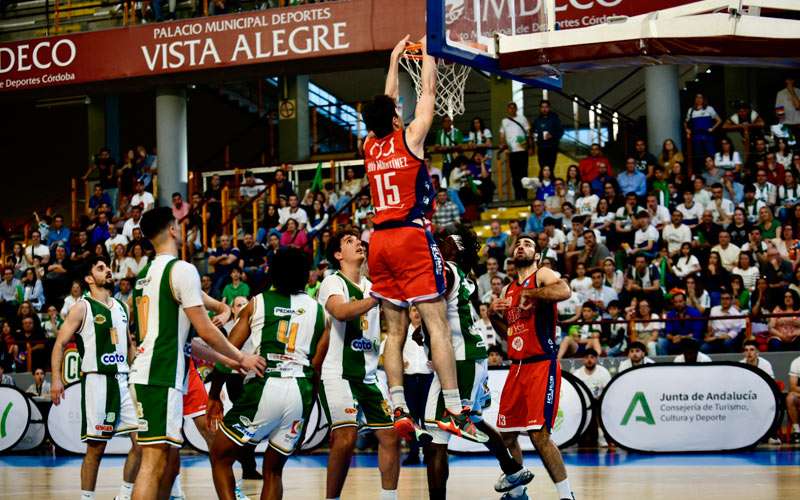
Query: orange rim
413, 51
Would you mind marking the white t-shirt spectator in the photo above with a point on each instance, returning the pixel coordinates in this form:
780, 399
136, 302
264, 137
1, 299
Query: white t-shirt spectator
685, 266
724, 210
794, 368
515, 134
626, 364
729, 256
558, 238
661, 217
691, 215
300, 216
586, 205
247, 192
731, 327
569, 307
708, 111
129, 226
130, 264
643, 236
146, 199
784, 99
481, 138
676, 236
767, 192
119, 239
596, 381
415, 356
40, 250
701, 358
763, 364
580, 286
605, 294
749, 276
727, 162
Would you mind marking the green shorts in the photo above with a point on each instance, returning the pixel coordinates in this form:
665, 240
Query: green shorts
341, 399
160, 412
270, 408
473, 387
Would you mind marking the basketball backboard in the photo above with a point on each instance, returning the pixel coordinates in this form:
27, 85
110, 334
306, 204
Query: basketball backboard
529, 40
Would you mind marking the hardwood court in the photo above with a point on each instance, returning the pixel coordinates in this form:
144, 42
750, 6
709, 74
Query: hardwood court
629, 477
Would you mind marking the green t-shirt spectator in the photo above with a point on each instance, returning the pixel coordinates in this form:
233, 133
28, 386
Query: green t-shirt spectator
230, 292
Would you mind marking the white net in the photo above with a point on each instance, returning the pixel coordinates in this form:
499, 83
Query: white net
450, 81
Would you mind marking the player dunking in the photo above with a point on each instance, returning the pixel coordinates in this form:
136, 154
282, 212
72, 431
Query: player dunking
100, 324
405, 264
168, 300
529, 401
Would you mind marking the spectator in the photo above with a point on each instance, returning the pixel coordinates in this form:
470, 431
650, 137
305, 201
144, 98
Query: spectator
781, 129
645, 239
784, 331
40, 388
602, 220
514, 230
686, 264
495, 290
253, 261
631, 180
778, 272
485, 328
543, 241
445, 216
5, 379
492, 270
595, 376
739, 229
788, 196
706, 234
36, 249
592, 166
603, 177
783, 152
645, 161
613, 277
728, 252
224, 258
30, 335
787, 98
125, 293
75, 293
647, 329
615, 335
236, 288
142, 198
139, 239
587, 202
294, 236
351, 187
583, 336
114, 239
284, 186
724, 335
82, 251
776, 174
593, 253
119, 266
32, 290
213, 197
690, 353
598, 293
701, 123
448, 140
514, 136
786, 245
137, 261
635, 356
363, 211
659, 214
697, 296
179, 208
676, 234
744, 118
100, 230
496, 243
52, 322
133, 222
740, 294
98, 198
480, 136
624, 219
765, 192
727, 158
251, 187
687, 322
669, 154
58, 233
480, 168
547, 131
748, 273
10, 293
572, 183
496, 357
691, 210
581, 283
720, 207
767, 224
535, 223
793, 400
752, 358
293, 211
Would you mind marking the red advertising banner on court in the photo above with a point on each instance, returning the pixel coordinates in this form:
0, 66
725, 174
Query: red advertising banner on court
308, 31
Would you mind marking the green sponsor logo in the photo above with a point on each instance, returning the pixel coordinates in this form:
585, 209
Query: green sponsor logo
4, 418
646, 415
559, 420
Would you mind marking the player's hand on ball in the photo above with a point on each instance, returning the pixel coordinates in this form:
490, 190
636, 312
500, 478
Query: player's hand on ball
253, 363
56, 391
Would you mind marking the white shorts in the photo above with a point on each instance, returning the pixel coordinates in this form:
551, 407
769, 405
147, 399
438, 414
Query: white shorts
272, 408
108, 408
160, 412
473, 379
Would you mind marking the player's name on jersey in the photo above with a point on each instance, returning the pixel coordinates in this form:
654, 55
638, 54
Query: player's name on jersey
395, 163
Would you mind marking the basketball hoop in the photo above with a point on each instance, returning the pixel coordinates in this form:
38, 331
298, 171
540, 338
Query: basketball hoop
450, 80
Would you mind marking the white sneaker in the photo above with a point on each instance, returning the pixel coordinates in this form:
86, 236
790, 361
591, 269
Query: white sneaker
774, 441
601, 441
509, 482
508, 496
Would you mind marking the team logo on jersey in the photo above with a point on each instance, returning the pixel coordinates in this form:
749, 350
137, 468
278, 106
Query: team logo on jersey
382, 149
104, 428
246, 433
246, 421
111, 416
387, 410
143, 425
99, 319
297, 427
286, 311
112, 358
350, 411
517, 343
361, 345
141, 283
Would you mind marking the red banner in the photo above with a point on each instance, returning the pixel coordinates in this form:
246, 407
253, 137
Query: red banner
308, 31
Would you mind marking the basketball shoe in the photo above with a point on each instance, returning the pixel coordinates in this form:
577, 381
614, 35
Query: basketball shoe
462, 426
510, 496
407, 428
508, 482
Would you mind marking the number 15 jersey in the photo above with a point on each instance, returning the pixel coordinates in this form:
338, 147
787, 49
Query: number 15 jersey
399, 183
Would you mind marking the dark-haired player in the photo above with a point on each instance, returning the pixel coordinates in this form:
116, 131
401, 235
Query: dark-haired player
100, 324
288, 328
167, 302
405, 264
460, 251
529, 402
349, 372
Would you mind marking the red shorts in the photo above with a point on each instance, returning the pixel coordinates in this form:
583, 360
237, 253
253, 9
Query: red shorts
195, 401
530, 397
405, 266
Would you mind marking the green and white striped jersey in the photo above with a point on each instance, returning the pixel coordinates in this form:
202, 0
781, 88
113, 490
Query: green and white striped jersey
354, 345
103, 337
166, 286
468, 343
285, 330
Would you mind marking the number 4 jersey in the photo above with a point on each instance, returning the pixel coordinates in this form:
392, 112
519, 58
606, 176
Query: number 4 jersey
399, 183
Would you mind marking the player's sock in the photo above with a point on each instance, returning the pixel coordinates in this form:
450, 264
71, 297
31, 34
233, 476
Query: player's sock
125, 491
177, 490
564, 491
87, 495
452, 401
795, 427
388, 494
398, 395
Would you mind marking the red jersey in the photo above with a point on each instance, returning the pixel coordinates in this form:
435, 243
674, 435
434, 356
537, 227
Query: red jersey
399, 183
532, 332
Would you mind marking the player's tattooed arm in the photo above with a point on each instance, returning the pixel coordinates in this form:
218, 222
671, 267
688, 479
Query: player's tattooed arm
549, 287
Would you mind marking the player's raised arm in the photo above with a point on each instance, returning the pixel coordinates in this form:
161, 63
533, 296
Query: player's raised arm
68, 328
548, 287
392, 88
426, 104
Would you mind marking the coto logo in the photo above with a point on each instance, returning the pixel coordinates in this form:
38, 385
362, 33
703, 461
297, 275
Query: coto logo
361, 345
42, 55
112, 358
